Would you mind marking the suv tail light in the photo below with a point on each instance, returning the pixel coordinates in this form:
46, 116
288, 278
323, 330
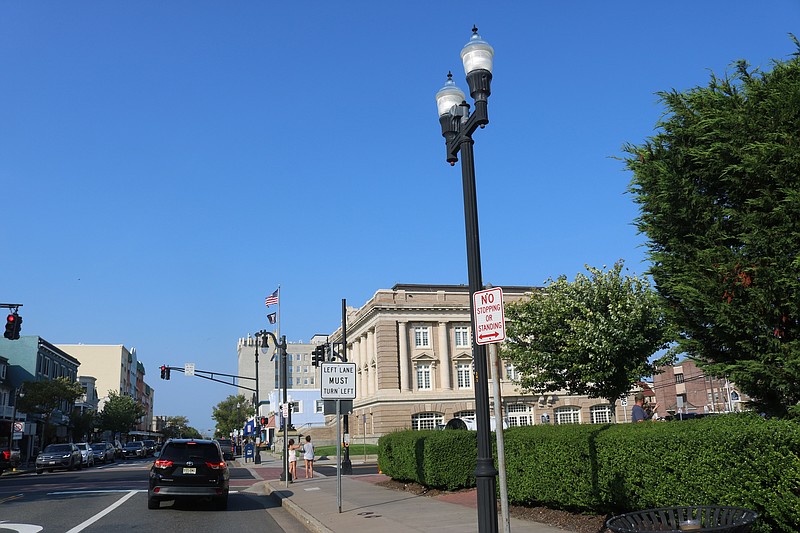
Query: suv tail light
163, 463
215, 466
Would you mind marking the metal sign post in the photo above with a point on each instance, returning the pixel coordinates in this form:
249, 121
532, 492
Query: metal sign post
338, 382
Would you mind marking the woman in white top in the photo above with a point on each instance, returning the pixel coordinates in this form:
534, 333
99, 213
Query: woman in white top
292, 459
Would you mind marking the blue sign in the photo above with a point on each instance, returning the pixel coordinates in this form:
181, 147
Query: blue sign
250, 428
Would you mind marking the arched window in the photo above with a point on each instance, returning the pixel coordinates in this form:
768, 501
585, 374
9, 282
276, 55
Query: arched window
519, 414
568, 415
426, 420
600, 414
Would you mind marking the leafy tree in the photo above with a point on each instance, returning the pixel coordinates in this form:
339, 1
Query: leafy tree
178, 427
120, 413
593, 336
718, 189
46, 396
82, 424
231, 413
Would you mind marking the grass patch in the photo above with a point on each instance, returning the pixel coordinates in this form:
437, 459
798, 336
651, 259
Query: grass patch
355, 450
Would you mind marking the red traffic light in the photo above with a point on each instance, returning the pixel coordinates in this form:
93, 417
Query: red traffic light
13, 326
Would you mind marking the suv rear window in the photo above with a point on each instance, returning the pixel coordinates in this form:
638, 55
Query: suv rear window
182, 451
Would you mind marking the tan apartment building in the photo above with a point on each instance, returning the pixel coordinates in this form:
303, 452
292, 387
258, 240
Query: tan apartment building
118, 369
412, 345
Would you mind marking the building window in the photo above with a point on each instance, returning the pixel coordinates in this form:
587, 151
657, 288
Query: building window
600, 414
519, 414
462, 336
422, 337
423, 377
295, 406
511, 372
319, 406
678, 378
426, 420
568, 415
464, 373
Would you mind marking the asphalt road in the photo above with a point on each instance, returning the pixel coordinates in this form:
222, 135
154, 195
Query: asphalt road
113, 497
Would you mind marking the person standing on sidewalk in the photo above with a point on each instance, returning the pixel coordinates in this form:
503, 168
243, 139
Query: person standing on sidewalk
308, 455
292, 460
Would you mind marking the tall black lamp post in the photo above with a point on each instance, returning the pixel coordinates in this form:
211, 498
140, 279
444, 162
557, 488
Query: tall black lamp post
458, 125
261, 340
281, 346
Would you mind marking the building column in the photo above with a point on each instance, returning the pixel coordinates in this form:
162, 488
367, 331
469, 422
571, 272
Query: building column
444, 356
405, 362
362, 376
371, 372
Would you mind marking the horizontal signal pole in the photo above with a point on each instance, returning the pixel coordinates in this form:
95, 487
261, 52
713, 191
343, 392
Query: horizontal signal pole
211, 377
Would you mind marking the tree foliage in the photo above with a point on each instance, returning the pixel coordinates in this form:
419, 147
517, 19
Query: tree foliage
231, 413
46, 396
120, 413
718, 189
177, 427
592, 336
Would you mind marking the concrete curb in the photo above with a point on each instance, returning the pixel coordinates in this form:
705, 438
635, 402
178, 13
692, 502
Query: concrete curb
311, 523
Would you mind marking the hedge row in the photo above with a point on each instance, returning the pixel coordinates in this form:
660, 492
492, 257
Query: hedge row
739, 460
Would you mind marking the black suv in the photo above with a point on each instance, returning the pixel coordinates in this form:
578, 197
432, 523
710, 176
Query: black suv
189, 468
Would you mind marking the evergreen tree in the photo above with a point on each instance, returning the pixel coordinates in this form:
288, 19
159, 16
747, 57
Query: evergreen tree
718, 189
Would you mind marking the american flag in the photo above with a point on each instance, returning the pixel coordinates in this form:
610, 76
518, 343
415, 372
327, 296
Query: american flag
272, 299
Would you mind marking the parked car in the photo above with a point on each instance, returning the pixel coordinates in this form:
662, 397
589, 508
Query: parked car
9, 459
59, 456
104, 452
226, 445
189, 468
149, 447
135, 448
87, 454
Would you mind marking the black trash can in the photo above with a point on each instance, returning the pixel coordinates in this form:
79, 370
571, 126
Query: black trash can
718, 519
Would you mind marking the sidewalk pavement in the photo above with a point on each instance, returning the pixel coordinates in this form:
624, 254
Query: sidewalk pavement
367, 507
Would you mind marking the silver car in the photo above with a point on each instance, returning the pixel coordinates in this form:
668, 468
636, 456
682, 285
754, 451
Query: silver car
87, 454
103, 452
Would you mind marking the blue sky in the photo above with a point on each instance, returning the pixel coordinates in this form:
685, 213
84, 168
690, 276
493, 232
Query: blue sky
166, 165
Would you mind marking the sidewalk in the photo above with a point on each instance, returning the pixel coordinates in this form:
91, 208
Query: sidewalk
367, 507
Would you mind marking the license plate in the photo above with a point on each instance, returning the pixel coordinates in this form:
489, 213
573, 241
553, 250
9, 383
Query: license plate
187, 470
52, 462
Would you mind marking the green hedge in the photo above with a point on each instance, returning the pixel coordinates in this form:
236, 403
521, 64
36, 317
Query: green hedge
740, 460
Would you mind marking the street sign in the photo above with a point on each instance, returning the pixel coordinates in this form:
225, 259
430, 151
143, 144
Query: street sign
338, 381
188, 369
490, 320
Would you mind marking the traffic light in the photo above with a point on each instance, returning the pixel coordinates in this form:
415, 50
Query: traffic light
163, 371
168, 369
318, 355
13, 325
263, 420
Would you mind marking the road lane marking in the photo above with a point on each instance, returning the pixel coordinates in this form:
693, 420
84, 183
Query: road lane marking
9, 498
101, 514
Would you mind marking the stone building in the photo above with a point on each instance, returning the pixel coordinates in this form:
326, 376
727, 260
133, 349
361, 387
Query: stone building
412, 345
